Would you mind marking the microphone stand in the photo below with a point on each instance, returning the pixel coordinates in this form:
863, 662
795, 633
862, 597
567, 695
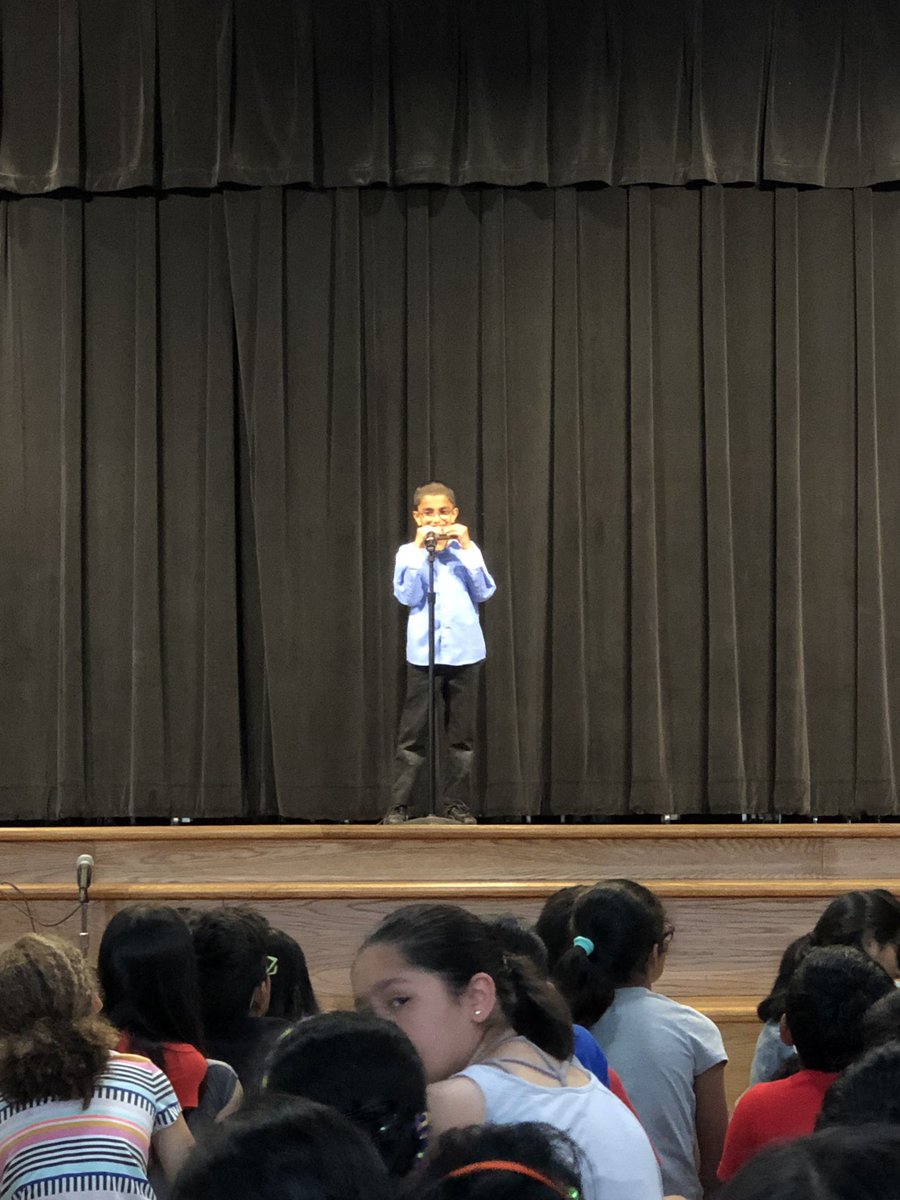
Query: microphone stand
84, 938
431, 547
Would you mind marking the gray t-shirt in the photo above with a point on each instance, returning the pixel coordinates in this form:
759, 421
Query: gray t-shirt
618, 1162
659, 1047
770, 1053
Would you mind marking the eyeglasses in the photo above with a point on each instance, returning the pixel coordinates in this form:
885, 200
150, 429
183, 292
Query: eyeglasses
271, 964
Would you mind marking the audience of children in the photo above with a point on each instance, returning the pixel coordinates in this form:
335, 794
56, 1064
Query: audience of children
459, 1077
143, 949
861, 1163
670, 1057
364, 1067
496, 1042
525, 1161
77, 1118
283, 1148
234, 969
825, 1003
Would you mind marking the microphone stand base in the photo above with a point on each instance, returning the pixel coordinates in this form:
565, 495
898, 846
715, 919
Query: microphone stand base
431, 820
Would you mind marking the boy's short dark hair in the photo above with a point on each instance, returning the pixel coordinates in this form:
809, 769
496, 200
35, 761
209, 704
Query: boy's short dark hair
837, 1164
826, 1001
367, 1069
868, 1092
434, 488
230, 945
286, 1148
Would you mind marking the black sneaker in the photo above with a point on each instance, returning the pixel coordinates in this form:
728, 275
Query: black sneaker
397, 814
459, 812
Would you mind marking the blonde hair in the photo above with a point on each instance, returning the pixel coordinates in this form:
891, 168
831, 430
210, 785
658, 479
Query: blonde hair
52, 1044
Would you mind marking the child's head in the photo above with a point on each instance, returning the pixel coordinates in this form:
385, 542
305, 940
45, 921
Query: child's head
868, 920
836, 1164
514, 937
230, 945
292, 995
825, 1003
437, 972
881, 1024
434, 504
772, 1007
148, 975
867, 1092
622, 935
364, 1067
554, 925
281, 1148
527, 1161
52, 1046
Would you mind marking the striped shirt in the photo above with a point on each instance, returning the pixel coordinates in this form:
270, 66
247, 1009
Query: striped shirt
56, 1148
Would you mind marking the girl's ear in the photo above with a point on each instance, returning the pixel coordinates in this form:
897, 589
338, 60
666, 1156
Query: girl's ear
785, 1032
480, 997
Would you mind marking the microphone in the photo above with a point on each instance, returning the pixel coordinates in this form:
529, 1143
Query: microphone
84, 873
431, 541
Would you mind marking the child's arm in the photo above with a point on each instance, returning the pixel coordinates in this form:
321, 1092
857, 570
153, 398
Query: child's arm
172, 1146
711, 1122
478, 580
453, 1104
410, 586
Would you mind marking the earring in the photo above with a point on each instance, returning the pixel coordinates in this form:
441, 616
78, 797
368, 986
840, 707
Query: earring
477, 1012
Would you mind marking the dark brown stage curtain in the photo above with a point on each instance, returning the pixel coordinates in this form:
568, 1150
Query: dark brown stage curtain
672, 417
105, 95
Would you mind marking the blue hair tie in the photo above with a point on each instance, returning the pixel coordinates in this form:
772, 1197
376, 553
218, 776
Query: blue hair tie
584, 944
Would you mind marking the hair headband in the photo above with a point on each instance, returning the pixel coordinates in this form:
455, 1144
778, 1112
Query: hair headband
584, 943
502, 1164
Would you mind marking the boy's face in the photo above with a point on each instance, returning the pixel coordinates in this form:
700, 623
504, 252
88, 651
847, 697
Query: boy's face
435, 510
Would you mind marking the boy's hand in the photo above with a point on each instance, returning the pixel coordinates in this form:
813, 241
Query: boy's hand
422, 533
458, 533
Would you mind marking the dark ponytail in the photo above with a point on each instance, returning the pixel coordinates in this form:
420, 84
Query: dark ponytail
624, 921
455, 944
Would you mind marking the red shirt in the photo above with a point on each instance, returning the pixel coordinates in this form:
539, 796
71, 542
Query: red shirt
771, 1112
184, 1065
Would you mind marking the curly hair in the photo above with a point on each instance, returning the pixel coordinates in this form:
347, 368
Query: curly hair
52, 1044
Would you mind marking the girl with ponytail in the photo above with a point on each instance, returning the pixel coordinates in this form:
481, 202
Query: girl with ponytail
76, 1119
670, 1057
496, 1041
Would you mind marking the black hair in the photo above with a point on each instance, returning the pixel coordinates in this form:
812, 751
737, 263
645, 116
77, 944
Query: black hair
455, 944
861, 1163
292, 990
281, 1148
881, 1024
543, 1148
772, 1007
554, 925
858, 918
366, 1068
867, 1092
148, 976
625, 921
433, 488
514, 937
825, 1003
230, 945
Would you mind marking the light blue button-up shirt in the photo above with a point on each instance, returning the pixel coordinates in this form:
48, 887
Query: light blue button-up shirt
461, 583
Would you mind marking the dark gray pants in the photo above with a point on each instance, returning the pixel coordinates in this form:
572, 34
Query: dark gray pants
457, 687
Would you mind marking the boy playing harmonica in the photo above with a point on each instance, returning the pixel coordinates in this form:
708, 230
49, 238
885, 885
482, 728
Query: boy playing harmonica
461, 583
